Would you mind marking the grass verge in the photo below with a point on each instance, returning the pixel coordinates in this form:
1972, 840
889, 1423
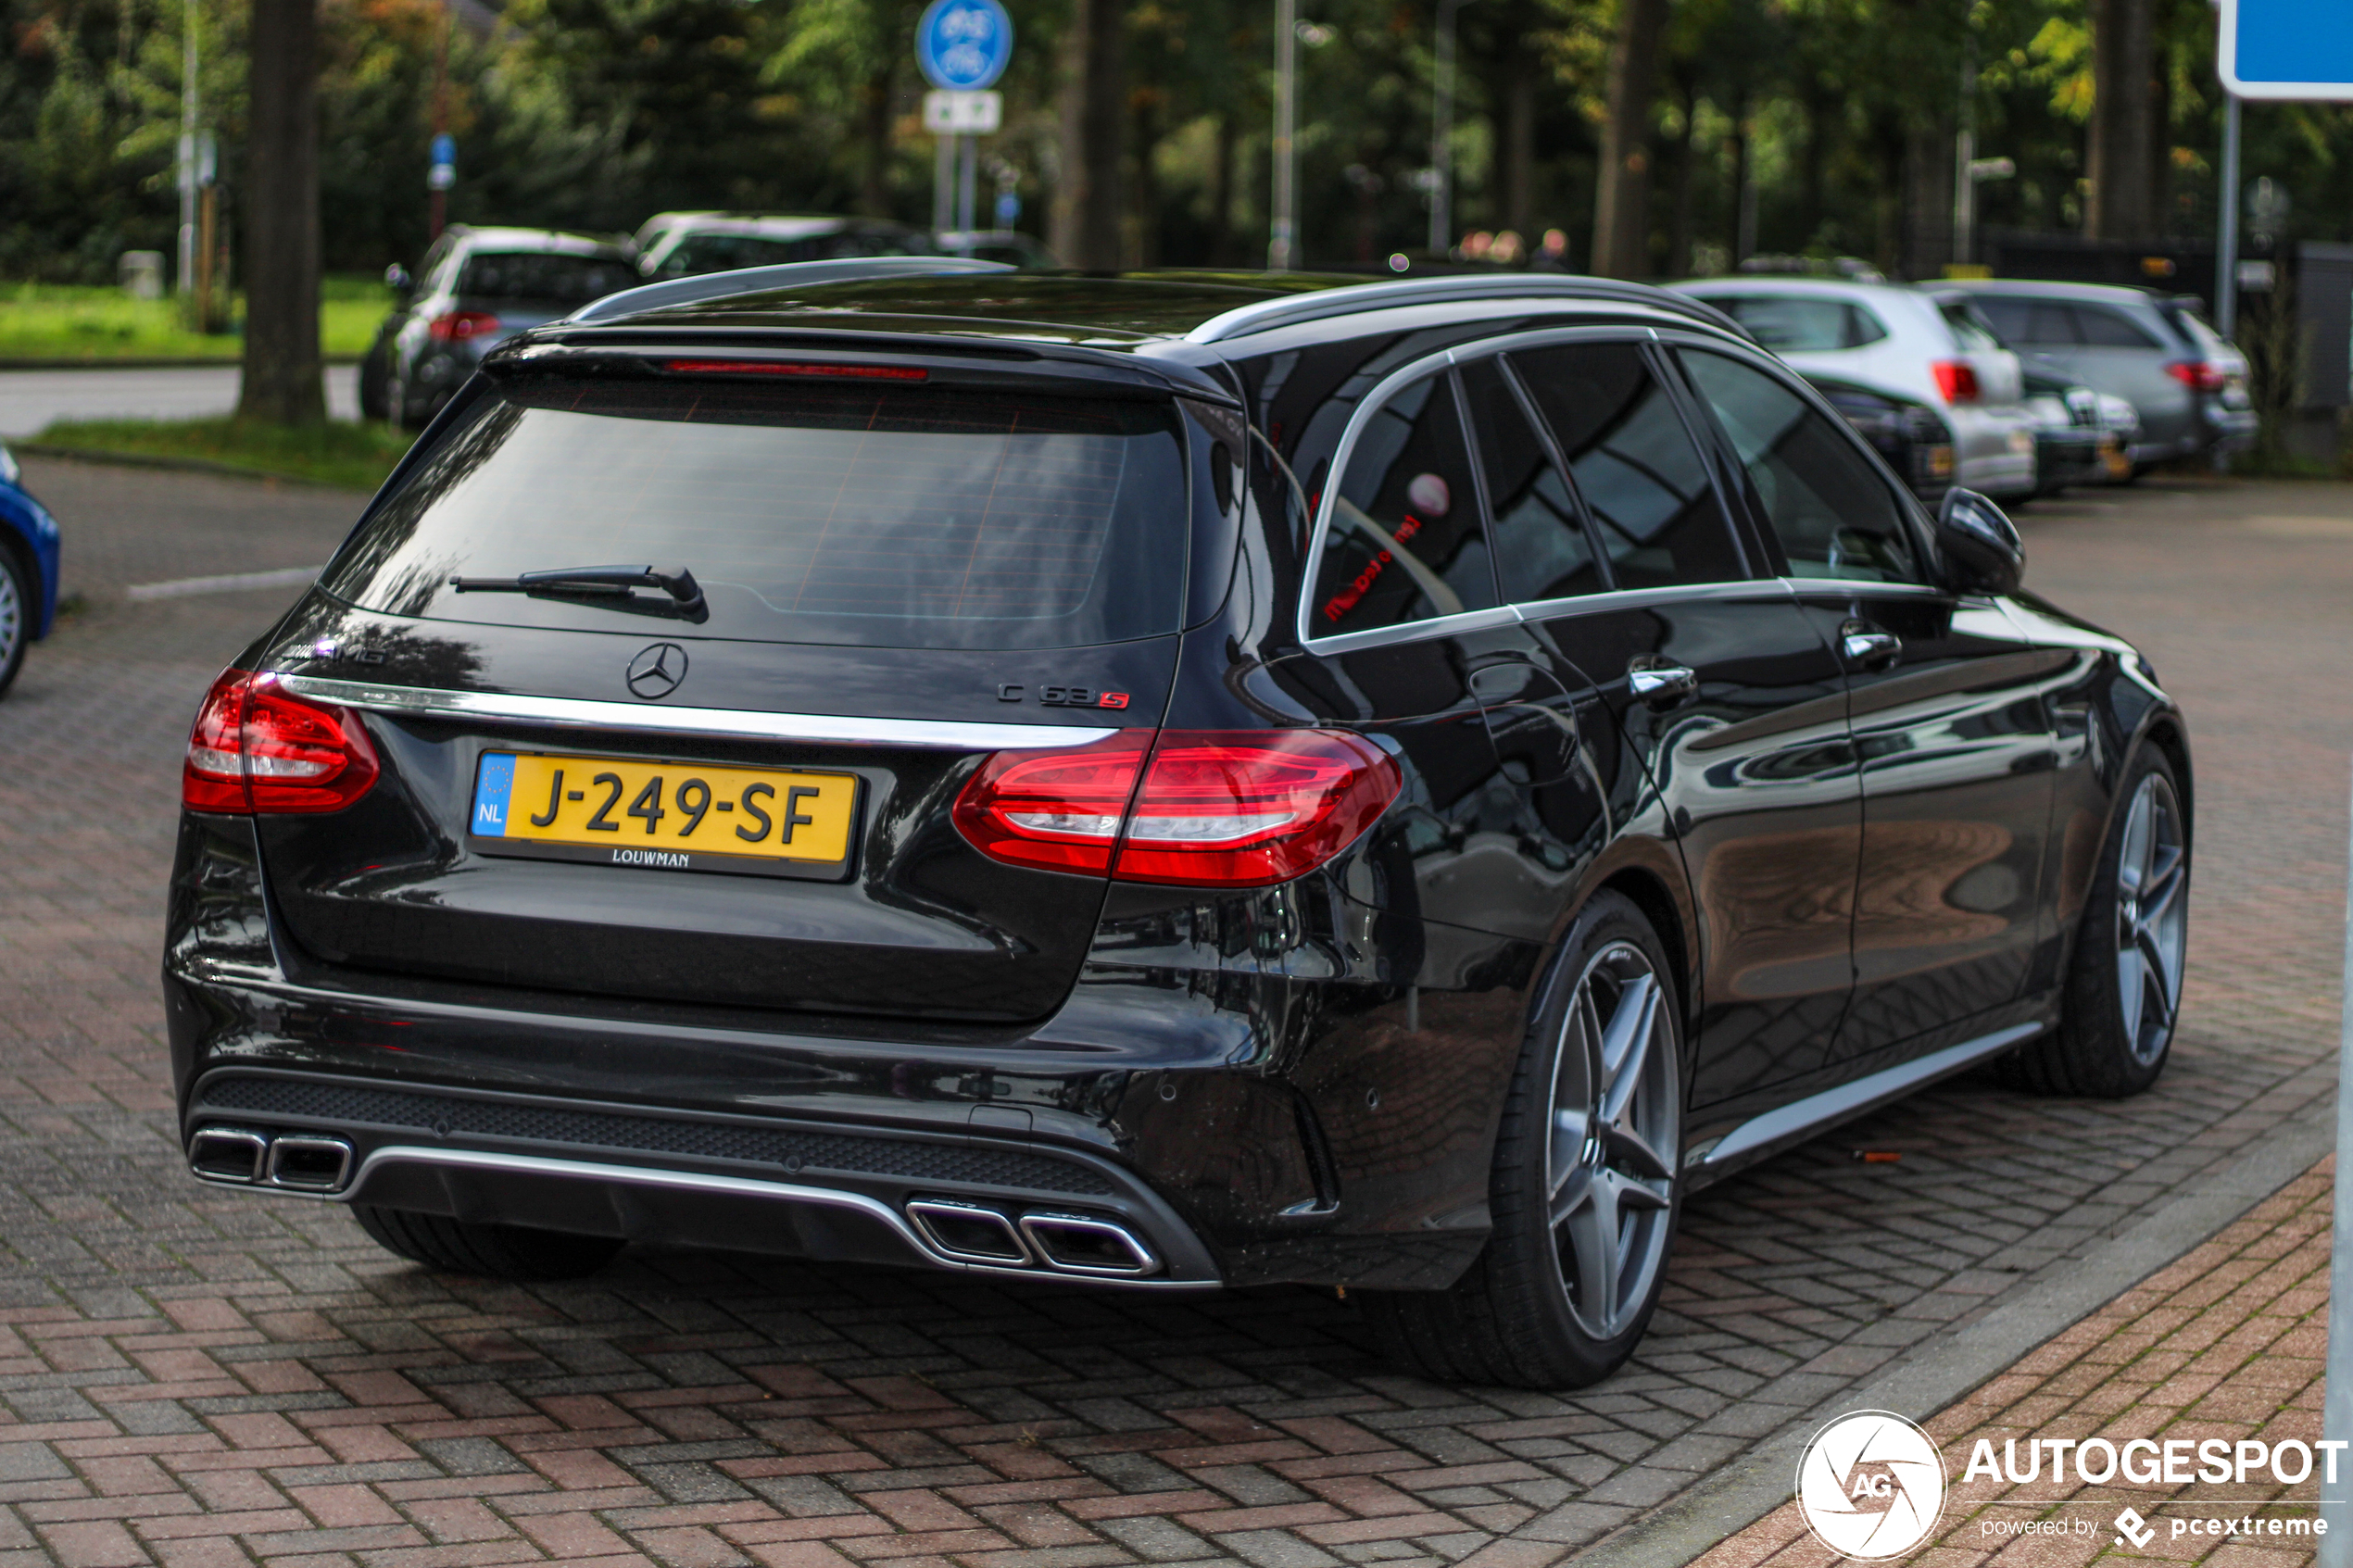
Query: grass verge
356, 456
79, 325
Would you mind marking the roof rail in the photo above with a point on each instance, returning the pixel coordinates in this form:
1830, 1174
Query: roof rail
760, 280
1355, 298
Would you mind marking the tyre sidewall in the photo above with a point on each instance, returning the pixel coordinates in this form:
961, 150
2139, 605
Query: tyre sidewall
1522, 1251
2095, 1025
28, 615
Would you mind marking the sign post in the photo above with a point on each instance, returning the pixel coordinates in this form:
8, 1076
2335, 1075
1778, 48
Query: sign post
962, 47
2295, 51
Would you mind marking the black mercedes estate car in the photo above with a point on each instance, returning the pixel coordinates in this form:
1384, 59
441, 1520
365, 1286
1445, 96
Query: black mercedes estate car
1170, 780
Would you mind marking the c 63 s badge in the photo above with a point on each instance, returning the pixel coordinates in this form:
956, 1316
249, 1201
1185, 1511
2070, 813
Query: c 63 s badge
1065, 696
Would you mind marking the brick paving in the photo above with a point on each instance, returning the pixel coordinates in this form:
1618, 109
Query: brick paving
191, 1376
2229, 1342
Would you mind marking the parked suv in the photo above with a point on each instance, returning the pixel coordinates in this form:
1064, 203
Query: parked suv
473, 288
1903, 341
2187, 384
1154, 780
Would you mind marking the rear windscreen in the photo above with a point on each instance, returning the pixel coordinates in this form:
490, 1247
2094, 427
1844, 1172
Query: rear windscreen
549, 276
808, 513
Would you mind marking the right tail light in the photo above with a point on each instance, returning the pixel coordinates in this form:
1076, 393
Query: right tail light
1956, 379
1211, 807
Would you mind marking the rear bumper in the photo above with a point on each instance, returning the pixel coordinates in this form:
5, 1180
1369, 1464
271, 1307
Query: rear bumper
775, 1185
1288, 1117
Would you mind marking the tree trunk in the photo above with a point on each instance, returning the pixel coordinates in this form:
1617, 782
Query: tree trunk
1517, 143
1740, 239
283, 382
1927, 199
1144, 221
1085, 214
1221, 195
2160, 149
1621, 207
874, 189
1678, 236
2122, 139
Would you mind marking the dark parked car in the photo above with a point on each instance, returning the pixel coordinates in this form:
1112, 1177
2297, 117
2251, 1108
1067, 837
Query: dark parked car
1911, 438
28, 552
2187, 384
684, 244
1153, 781
473, 289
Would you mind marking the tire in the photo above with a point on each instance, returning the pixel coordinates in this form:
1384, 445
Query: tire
1538, 1308
2124, 982
464, 1246
18, 606
373, 377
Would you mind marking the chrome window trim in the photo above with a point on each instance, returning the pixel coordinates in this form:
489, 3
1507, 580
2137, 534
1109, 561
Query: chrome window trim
577, 713
1871, 586
1635, 599
1372, 402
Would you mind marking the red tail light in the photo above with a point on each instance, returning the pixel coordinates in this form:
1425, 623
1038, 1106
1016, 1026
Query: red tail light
255, 749
1215, 809
1956, 379
2197, 375
459, 326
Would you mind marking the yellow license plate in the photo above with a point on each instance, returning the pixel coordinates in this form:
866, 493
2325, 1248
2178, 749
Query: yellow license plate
664, 816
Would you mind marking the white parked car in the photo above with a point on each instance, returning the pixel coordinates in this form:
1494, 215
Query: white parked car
1900, 340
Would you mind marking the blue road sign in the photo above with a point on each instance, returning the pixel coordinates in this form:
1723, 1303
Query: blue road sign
445, 149
963, 44
2299, 49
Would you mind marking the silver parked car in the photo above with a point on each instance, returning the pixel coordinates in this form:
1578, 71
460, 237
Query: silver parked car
2187, 384
1898, 339
683, 244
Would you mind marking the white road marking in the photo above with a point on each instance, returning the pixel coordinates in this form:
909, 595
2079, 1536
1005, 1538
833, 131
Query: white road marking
232, 582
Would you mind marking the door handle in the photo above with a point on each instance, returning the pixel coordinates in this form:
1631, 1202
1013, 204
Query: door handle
1867, 648
1659, 683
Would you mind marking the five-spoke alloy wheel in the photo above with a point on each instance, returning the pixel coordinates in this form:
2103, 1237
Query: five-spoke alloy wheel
1584, 1191
2152, 917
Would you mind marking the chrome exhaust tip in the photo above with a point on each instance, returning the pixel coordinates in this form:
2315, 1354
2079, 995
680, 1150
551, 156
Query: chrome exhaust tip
1078, 1245
310, 1164
228, 1154
969, 1233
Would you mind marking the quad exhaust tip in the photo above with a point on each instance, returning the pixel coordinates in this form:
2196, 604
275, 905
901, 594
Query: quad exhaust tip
298, 1162
1074, 1244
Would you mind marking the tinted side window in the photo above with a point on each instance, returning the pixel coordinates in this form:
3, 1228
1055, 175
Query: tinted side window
1833, 513
1796, 324
2104, 328
1405, 542
1541, 548
1633, 463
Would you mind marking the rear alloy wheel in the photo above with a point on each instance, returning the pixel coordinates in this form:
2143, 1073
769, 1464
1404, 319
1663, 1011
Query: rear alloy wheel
2124, 988
1585, 1188
16, 617
467, 1247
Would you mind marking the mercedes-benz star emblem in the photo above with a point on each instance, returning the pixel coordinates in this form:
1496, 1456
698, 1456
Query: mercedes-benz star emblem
657, 671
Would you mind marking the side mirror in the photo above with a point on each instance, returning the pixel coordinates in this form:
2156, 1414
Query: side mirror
396, 279
1982, 550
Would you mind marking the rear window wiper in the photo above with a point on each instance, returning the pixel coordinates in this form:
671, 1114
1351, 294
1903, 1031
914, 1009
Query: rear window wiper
607, 587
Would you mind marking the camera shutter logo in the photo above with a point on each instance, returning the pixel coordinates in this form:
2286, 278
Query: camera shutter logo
1871, 1486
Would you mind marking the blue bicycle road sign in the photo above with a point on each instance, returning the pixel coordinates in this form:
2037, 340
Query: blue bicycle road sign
2296, 49
963, 44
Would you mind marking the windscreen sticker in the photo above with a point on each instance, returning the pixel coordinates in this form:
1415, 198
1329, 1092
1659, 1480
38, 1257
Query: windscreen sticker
495, 782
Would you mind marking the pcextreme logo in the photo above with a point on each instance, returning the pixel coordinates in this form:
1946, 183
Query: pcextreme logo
1871, 1486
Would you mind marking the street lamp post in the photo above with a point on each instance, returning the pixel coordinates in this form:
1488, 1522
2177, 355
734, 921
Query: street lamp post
1283, 241
1441, 131
186, 172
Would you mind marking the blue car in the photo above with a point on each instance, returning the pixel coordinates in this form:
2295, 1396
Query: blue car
28, 571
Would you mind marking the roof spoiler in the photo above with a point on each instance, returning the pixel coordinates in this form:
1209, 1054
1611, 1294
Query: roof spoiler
762, 280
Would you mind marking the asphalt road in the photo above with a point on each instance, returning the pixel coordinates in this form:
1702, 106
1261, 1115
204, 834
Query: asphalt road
29, 399
190, 1376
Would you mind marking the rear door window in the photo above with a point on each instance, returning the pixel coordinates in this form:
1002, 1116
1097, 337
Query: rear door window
1833, 513
808, 513
2104, 328
1406, 541
1541, 548
1802, 324
1634, 464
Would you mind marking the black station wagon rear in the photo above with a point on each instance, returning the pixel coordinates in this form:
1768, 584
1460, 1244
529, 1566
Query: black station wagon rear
1170, 780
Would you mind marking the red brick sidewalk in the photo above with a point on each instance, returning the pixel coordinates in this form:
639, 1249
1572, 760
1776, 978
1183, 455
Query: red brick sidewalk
2228, 1343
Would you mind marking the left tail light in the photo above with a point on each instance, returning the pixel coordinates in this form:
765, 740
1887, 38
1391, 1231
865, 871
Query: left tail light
1956, 379
2198, 375
257, 749
462, 326
1211, 808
